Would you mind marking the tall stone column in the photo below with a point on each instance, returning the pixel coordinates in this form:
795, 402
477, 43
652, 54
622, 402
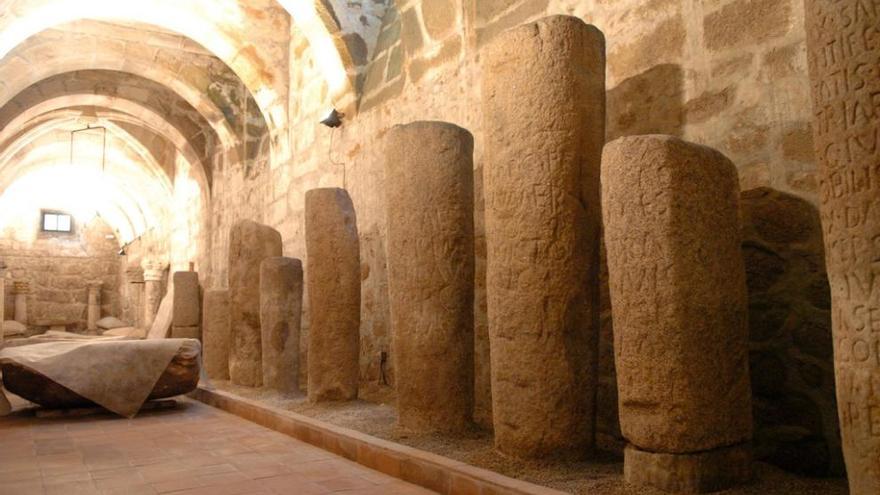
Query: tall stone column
430, 200
281, 294
154, 272
135, 291
249, 244
843, 46
215, 334
21, 289
186, 310
680, 309
334, 281
544, 121
93, 311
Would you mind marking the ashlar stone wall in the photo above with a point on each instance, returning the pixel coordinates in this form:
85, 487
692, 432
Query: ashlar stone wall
730, 74
59, 268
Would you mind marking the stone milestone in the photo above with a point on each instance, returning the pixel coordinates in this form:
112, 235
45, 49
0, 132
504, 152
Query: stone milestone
429, 191
186, 312
543, 105
334, 281
842, 53
93, 309
249, 244
216, 333
679, 303
281, 294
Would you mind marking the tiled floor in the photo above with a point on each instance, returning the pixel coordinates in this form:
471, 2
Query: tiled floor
192, 450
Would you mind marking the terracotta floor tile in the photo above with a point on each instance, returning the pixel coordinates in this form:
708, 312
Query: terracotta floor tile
194, 450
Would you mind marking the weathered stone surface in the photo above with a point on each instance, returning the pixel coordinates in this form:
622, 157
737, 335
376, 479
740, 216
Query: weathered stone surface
281, 295
334, 281
438, 17
191, 332
2, 314
249, 244
429, 193
21, 289
93, 311
153, 293
187, 311
842, 52
678, 296
703, 472
216, 334
792, 370
110, 322
544, 114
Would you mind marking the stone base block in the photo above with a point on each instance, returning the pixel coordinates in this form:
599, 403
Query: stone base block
186, 332
701, 472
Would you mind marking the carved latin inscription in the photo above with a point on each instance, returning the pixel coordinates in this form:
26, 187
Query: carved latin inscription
843, 40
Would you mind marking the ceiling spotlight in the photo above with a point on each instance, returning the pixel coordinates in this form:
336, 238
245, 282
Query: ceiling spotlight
333, 119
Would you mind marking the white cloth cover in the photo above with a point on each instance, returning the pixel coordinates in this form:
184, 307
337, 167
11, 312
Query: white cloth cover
115, 374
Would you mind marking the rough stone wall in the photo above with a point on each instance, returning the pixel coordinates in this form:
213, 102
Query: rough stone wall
59, 269
730, 74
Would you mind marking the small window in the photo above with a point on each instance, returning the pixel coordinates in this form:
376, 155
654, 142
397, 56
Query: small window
56, 222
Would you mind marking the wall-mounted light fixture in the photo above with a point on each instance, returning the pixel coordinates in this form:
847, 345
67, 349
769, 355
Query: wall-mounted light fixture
333, 119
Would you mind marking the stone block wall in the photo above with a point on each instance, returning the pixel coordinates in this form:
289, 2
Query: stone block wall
730, 74
59, 269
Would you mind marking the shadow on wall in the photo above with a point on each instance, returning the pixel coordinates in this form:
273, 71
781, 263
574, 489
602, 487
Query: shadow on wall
791, 352
649, 103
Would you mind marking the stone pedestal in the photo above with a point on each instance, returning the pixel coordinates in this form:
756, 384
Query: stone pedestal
430, 200
186, 309
94, 307
249, 244
154, 272
544, 122
281, 295
215, 334
21, 289
334, 281
679, 303
842, 50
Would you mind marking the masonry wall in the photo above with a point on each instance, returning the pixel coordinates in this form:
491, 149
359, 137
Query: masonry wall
59, 268
730, 74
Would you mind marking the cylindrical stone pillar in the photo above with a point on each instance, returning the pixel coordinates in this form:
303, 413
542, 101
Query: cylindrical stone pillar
21, 289
186, 307
249, 244
93, 311
843, 47
154, 272
215, 334
281, 294
430, 201
334, 281
544, 122
680, 309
